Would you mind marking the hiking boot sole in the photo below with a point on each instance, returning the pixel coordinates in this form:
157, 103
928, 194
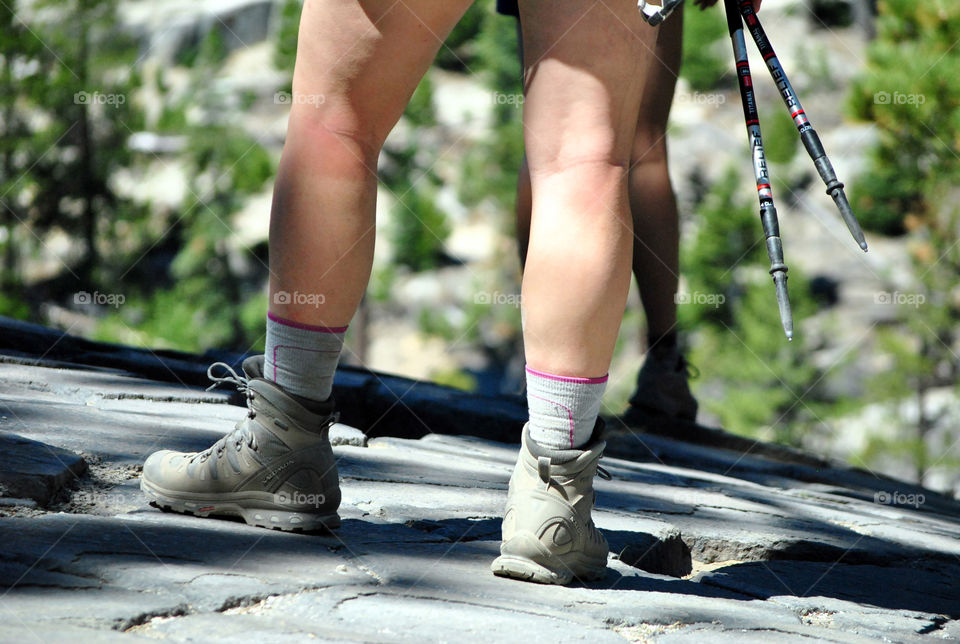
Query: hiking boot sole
254, 511
550, 568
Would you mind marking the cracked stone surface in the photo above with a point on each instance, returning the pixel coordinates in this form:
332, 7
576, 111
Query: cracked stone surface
708, 544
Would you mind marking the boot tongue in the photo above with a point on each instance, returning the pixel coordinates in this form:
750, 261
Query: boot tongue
304, 412
253, 367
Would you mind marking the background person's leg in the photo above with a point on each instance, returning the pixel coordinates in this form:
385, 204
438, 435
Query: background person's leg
652, 200
357, 65
662, 387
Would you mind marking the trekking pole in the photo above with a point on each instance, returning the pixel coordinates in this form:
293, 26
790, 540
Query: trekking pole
655, 14
768, 212
811, 141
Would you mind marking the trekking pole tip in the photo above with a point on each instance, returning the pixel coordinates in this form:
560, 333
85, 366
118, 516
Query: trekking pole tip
783, 302
846, 212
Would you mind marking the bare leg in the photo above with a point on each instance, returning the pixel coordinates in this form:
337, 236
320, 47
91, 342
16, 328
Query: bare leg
652, 202
584, 71
360, 61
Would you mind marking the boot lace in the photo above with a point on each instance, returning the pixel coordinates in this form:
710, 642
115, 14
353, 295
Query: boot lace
242, 433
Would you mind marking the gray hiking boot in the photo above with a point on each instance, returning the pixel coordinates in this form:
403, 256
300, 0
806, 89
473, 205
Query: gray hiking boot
274, 470
663, 390
548, 534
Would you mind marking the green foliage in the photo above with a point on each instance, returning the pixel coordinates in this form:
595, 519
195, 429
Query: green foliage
172, 119
13, 307
22, 82
69, 104
456, 378
420, 111
207, 305
756, 377
233, 155
434, 322
207, 302
381, 283
184, 317
780, 140
909, 91
498, 54
728, 236
456, 54
419, 227
211, 50
706, 52
885, 195
490, 166
765, 381
923, 345
285, 45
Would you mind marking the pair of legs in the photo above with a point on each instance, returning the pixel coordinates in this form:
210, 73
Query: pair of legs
585, 72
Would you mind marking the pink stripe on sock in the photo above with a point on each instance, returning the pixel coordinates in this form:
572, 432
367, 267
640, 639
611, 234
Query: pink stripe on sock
550, 376
306, 327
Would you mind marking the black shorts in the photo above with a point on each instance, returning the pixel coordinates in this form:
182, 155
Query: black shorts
508, 8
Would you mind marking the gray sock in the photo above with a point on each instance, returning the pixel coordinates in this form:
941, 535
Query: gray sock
302, 358
563, 409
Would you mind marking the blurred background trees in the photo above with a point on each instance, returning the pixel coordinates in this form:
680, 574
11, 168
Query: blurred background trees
909, 90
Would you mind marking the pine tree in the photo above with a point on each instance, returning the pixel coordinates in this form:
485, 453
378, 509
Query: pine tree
90, 99
208, 303
21, 80
911, 93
